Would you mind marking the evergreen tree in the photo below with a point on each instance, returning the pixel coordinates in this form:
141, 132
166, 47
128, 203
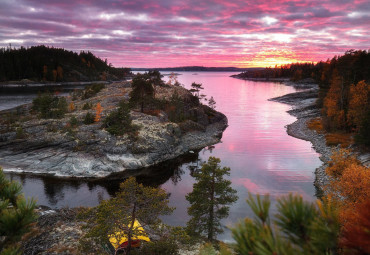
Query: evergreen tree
210, 199
116, 216
212, 103
16, 215
118, 122
303, 228
142, 90
49, 106
195, 88
155, 77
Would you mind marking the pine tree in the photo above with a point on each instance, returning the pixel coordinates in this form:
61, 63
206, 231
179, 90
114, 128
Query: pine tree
300, 228
16, 214
212, 103
142, 90
118, 122
210, 199
195, 88
116, 216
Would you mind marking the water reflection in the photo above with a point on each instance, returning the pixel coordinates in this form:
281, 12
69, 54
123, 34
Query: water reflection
57, 193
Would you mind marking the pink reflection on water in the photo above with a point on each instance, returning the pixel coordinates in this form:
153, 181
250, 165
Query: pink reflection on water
250, 186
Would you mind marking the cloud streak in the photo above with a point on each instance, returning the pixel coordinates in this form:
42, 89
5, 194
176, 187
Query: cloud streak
148, 33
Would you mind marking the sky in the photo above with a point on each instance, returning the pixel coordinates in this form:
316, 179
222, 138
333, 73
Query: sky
169, 33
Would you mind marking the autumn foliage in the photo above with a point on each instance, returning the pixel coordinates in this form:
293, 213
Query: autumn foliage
358, 104
71, 107
334, 103
350, 188
355, 237
350, 182
98, 111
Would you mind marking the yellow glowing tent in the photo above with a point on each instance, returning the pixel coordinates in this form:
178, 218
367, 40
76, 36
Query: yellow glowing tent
123, 242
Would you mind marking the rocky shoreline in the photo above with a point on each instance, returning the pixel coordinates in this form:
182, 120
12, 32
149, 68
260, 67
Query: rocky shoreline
304, 109
52, 147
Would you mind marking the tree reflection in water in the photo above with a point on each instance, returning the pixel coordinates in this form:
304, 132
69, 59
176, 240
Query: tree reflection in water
72, 192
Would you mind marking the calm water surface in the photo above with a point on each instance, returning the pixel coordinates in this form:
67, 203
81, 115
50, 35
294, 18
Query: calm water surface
262, 157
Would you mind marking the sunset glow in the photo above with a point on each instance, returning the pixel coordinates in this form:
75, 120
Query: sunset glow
167, 33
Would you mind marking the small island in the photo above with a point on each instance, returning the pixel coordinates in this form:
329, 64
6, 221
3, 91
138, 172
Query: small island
107, 128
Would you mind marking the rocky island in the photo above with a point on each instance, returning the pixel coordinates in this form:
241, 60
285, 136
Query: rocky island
78, 143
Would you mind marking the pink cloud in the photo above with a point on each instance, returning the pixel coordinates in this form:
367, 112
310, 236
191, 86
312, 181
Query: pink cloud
173, 33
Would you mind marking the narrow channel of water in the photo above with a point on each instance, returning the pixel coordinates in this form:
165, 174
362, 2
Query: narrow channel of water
262, 157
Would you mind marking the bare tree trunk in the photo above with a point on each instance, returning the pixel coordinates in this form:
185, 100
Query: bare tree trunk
211, 216
133, 216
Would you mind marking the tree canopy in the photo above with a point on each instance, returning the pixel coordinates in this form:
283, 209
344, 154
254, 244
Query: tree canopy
42, 63
142, 90
116, 216
210, 199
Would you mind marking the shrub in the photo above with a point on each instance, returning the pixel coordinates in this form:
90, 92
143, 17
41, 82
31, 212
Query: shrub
161, 247
49, 106
87, 106
73, 121
349, 187
89, 118
92, 90
118, 122
316, 124
334, 139
20, 134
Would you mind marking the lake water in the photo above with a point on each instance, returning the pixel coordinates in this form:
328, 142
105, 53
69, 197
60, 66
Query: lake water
262, 157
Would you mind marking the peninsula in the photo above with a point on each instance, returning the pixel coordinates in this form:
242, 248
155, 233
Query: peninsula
84, 135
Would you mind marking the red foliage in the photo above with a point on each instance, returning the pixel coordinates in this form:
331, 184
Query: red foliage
356, 231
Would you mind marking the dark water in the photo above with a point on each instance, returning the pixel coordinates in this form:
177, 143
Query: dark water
262, 157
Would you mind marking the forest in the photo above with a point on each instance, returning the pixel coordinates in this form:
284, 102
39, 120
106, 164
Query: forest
42, 63
344, 96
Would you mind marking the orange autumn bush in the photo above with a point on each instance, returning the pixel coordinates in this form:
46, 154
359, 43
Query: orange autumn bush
350, 188
358, 103
354, 184
355, 238
98, 111
340, 160
350, 182
316, 124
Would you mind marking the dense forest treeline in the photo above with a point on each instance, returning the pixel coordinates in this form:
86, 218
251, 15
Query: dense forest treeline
42, 63
344, 96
